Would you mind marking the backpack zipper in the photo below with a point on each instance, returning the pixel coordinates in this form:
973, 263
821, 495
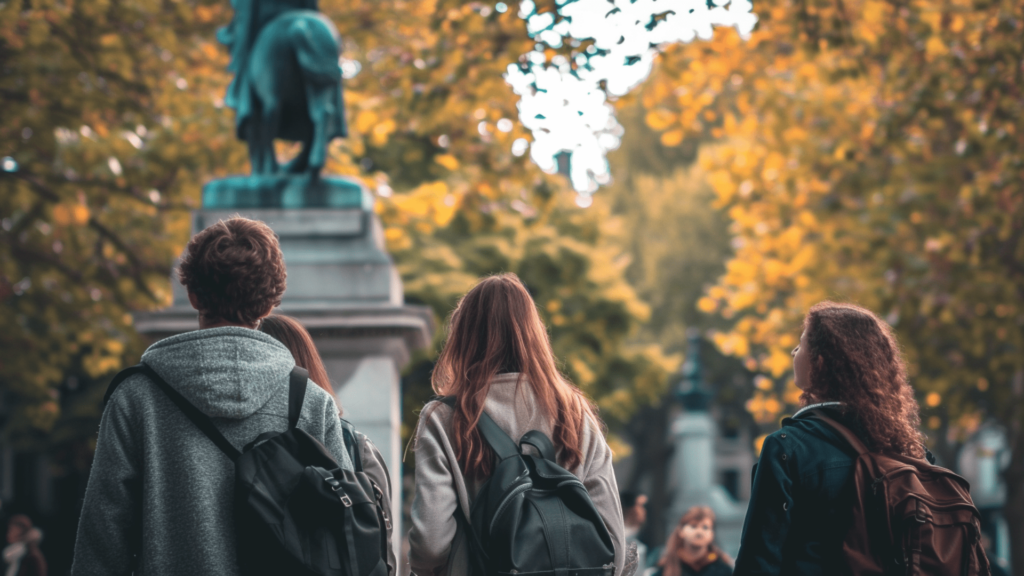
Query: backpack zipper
507, 501
875, 484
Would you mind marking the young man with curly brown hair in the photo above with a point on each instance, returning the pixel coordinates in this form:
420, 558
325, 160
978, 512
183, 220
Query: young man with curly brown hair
159, 497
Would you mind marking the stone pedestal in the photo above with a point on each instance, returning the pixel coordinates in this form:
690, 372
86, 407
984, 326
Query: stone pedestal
693, 475
342, 286
694, 463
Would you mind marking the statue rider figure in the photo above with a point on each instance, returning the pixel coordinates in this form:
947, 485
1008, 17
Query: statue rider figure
291, 88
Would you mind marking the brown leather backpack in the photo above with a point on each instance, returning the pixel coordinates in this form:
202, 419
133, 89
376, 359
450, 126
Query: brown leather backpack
910, 517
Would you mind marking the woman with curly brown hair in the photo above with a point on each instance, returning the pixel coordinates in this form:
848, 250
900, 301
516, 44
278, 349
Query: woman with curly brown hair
849, 366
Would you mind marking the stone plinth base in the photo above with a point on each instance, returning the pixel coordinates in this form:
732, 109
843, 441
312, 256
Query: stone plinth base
288, 191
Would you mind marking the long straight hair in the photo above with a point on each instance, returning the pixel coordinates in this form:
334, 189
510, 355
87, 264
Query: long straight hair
297, 340
496, 329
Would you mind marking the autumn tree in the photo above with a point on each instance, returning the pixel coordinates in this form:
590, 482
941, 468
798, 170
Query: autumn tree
677, 244
109, 123
871, 151
119, 118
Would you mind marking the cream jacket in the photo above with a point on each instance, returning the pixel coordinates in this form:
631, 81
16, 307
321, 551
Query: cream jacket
437, 546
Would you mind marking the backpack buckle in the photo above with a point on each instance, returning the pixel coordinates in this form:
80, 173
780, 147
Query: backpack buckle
335, 487
378, 494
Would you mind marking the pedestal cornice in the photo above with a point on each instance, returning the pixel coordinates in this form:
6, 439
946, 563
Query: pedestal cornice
413, 323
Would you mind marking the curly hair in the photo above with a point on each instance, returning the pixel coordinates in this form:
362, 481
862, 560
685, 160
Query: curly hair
235, 270
856, 360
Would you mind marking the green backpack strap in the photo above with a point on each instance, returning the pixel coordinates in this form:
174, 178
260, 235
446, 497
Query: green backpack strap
348, 433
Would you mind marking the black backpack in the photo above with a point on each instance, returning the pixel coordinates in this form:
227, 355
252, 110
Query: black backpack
533, 516
296, 511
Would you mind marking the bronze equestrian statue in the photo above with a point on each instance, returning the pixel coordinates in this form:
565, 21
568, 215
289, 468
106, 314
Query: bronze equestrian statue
287, 81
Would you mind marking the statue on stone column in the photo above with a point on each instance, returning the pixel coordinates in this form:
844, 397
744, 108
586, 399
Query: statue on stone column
287, 83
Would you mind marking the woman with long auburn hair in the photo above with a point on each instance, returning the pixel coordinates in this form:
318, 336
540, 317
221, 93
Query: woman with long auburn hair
296, 339
850, 368
691, 548
498, 359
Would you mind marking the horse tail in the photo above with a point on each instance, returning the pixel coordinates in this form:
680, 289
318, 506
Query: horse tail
316, 49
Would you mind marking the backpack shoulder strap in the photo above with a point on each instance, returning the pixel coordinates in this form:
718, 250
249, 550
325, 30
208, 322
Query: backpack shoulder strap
541, 442
121, 377
297, 381
348, 434
501, 443
202, 421
843, 431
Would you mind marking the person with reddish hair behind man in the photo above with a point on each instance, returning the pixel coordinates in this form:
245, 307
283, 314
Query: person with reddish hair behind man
160, 494
849, 366
498, 359
296, 338
691, 548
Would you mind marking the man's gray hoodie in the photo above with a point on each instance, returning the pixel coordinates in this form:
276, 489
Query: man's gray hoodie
159, 498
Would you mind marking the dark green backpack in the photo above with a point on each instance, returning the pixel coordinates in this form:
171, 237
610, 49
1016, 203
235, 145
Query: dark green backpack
532, 516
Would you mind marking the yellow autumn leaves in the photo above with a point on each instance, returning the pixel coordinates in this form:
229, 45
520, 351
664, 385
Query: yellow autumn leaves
67, 214
855, 148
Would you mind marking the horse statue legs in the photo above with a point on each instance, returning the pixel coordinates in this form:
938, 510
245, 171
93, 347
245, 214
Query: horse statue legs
301, 103
321, 107
261, 137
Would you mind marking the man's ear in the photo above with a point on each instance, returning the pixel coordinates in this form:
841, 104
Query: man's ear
193, 301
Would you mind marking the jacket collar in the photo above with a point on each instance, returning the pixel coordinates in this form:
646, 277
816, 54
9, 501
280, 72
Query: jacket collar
816, 406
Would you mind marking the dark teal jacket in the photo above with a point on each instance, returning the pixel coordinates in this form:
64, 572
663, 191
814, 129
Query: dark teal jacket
801, 501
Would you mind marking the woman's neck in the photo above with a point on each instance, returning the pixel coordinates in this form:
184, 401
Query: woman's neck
691, 552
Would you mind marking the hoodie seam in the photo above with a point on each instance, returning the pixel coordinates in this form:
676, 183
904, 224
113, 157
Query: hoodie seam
203, 334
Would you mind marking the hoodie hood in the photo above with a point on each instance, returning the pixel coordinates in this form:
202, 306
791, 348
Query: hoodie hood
227, 372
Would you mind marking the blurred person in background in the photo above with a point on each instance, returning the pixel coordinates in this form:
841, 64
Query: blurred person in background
634, 516
691, 548
296, 339
22, 556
